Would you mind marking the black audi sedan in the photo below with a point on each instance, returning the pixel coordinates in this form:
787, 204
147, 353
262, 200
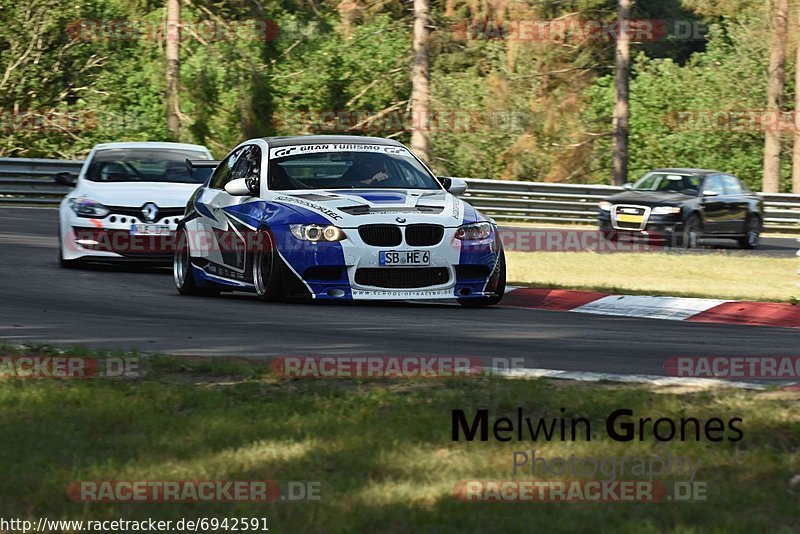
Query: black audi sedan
682, 206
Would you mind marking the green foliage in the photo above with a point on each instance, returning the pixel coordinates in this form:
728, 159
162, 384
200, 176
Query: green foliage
72, 76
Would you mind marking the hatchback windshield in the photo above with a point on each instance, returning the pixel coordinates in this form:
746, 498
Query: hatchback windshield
375, 167
677, 183
143, 165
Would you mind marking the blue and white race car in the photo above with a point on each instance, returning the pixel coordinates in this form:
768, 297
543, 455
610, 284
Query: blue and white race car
335, 218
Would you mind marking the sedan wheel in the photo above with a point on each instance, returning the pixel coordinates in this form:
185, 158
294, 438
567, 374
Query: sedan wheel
752, 233
692, 232
267, 270
182, 268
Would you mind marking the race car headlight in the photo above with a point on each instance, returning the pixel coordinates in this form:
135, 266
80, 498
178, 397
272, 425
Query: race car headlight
84, 207
665, 210
474, 232
316, 232
604, 205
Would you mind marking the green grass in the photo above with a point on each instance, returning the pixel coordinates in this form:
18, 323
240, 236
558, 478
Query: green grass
685, 275
380, 448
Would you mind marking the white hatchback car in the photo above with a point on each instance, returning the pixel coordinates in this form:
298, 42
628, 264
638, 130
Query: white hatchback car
127, 201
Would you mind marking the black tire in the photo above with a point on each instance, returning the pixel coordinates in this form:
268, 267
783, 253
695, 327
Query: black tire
692, 232
752, 233
500, 289
268, 269
182, 271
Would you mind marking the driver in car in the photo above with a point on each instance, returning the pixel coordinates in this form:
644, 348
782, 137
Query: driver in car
368, 170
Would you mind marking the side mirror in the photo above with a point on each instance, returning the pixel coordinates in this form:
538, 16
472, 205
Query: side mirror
238, 187
710, 193
456, 186
65, 178
627, 185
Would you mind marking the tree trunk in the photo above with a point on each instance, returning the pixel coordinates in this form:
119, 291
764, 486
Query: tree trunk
796, 120
621, 86
173, 36
420, 77
777, 76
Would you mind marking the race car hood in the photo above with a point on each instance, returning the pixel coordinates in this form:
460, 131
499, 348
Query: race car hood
355, 207
135, 194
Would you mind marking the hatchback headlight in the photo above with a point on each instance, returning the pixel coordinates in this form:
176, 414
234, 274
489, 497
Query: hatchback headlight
316, 232
604, 205
84, 207
474, 231
665, 210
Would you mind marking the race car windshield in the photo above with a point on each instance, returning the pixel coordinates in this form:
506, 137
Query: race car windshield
350, 170
143, 165
676, 183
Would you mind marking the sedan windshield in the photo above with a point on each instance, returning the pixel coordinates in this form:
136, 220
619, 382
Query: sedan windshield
676, 183
376, 167
143, 165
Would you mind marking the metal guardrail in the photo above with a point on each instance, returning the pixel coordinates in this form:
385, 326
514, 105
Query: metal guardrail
29, 181
577, 203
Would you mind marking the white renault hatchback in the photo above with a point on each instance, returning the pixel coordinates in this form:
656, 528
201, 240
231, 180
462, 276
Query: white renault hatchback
127, 201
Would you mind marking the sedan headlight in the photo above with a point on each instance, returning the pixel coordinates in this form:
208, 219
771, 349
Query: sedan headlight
474, 232
604, 205
665, 210
84, 207
316, 232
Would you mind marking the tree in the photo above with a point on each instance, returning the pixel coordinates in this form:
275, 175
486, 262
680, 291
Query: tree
796, 121
621, 86
777, 75
420, 78
173, 35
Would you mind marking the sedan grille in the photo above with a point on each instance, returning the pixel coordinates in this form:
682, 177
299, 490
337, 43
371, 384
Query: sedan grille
626, 217
402, 278
424, 235
381, 235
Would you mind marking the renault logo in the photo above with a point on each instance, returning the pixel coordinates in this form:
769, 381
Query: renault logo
150, 212
401, 220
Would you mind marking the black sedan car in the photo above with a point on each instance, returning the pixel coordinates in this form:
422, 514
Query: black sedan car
682, 206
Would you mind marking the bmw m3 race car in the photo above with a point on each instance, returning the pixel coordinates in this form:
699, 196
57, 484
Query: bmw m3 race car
335, 218
127, 202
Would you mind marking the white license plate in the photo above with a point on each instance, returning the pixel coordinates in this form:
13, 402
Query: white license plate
405, 257
150, 229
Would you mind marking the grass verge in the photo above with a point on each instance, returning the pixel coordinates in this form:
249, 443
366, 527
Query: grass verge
685, 275
381, 449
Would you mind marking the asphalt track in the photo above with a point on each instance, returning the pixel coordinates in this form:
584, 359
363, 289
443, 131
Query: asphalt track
132, 307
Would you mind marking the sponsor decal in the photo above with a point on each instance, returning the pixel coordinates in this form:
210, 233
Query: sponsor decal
402, 293
282, 152
305, 203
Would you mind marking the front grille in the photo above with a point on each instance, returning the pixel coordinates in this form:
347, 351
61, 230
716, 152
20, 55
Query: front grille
640, 211
402, 278
137, 212
380, 235
424, 235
